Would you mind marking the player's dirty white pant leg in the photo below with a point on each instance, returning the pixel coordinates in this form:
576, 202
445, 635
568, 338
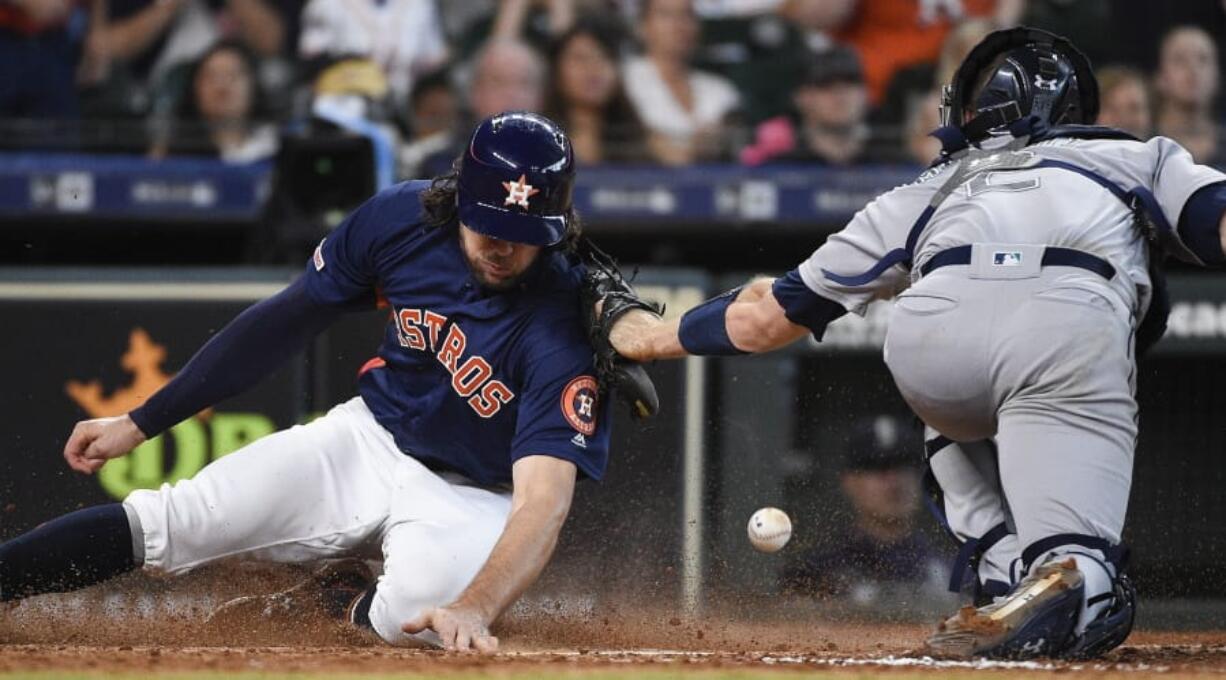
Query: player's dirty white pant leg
309, 492
439, 534
1051, 356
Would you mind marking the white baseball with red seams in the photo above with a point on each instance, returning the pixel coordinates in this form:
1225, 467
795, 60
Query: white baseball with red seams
769, 529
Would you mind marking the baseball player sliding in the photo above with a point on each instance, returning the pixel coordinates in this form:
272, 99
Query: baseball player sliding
1024, 269
457, 461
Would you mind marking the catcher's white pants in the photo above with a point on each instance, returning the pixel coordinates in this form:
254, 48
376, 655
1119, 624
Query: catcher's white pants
336, 486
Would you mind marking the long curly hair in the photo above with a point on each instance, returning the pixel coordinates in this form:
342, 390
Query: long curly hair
439, 204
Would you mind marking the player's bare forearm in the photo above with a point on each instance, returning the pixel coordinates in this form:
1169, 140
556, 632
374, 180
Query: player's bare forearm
755, 323
642, 336
543, 489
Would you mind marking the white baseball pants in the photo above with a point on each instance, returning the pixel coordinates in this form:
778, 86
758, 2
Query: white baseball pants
336, 486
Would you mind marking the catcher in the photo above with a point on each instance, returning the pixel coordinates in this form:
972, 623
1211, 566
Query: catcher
456, 464
1024, 265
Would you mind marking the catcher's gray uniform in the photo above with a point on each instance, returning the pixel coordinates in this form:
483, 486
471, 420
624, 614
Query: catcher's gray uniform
1016, 346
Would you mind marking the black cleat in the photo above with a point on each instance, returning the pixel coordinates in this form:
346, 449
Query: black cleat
1035, 619
325, 594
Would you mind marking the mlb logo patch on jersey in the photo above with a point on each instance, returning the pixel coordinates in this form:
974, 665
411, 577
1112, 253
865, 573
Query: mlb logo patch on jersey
318, 257
579, 404
1006, 258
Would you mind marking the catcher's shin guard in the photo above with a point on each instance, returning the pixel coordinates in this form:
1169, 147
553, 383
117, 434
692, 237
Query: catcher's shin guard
1036, 619
1111, 628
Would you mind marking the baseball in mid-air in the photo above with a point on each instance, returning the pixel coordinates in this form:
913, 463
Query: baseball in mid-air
769, 529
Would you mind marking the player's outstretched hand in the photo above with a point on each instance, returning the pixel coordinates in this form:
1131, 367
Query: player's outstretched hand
94, 442
461, 629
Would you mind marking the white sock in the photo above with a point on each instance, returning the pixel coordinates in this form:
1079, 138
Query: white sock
1099, 579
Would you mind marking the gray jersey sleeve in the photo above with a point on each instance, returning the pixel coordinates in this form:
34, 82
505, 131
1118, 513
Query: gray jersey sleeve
879, 228
1163, 174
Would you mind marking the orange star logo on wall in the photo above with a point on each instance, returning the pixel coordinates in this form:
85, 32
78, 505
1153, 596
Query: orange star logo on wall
143, 361
519, 191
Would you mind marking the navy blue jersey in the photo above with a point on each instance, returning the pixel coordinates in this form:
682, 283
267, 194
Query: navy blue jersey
466, 379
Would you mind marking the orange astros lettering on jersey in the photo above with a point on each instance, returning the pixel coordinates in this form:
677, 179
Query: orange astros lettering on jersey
434, 321
471, 378
453, 347
491, 398
410, 334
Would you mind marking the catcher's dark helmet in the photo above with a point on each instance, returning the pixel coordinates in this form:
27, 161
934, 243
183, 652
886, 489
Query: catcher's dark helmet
516, 178
1016, 73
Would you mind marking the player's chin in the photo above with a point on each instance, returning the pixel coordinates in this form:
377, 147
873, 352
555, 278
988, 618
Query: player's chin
498, 282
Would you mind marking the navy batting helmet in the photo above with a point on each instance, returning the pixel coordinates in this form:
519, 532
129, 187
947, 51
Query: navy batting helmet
1016, 73
516, 178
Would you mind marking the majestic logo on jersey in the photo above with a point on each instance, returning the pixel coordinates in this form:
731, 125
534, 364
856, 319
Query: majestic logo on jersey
318, 257
579, 404
472, 378
519, 192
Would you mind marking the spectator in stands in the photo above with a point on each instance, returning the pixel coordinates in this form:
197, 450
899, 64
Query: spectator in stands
828, 125
1124, 101
917, 80
880, 550
586, 97
958, 43
1187, 86
433, 107
219, 117
818, 19
40, 43
148, 38
507, 75
536, 22
893, 35
923, 117
403, 36
686, 108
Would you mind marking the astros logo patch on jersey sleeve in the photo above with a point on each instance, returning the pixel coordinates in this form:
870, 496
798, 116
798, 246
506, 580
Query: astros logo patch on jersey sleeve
579, 404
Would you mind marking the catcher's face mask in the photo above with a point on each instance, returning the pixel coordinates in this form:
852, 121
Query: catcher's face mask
1016, 73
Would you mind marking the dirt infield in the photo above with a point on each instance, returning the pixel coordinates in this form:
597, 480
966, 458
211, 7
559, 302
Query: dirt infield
1149, 655
552, 647
142, 628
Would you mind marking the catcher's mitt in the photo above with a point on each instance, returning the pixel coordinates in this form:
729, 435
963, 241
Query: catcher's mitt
604, 283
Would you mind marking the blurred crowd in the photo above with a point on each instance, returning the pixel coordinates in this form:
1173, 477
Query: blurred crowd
672, 82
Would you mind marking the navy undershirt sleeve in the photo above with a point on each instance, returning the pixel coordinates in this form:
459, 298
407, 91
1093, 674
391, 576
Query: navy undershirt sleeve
1200, 220
250, 347
803, 307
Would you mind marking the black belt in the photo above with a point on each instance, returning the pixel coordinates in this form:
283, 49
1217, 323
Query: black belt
1052, 256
